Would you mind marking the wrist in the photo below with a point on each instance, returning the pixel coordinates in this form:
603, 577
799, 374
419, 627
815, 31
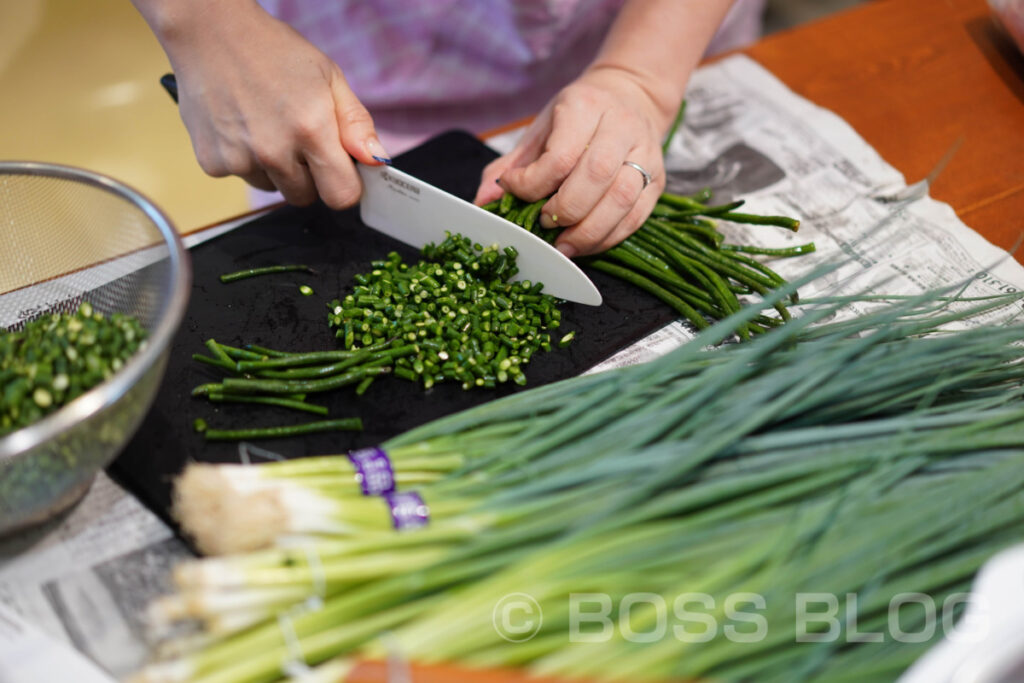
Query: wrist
664, 96
658, 44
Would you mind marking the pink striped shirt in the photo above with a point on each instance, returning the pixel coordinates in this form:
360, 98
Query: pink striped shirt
421, 67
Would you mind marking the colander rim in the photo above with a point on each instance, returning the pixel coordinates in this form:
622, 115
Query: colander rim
107, 393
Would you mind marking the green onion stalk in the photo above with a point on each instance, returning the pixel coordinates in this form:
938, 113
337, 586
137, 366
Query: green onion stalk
863, 457
266, 270
679, 255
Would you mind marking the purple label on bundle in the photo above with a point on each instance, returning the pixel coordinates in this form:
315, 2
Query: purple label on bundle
373, 471
408, 511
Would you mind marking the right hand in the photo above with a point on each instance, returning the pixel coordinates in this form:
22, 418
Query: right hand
262, 103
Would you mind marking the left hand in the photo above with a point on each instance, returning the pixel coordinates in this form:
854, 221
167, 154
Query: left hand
577, 148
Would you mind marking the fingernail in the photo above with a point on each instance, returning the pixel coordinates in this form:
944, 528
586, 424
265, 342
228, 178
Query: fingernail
377, 151
567, 249
548, 221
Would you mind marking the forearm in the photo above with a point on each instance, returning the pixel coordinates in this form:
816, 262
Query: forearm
660, 42
185, 27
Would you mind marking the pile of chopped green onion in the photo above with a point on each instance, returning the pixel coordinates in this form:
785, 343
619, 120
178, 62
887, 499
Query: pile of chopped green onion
679, 256
873, 457
471, 324
57, 357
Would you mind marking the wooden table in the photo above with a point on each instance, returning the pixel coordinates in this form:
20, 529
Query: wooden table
914, 77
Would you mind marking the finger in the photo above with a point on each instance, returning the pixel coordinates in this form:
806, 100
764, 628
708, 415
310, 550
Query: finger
574, 245
617, 215
531, 145
358, 135
631, 223
334, 175
571, 131
588, 233
270, 167
220, 160
294, 181
259, 180
490, 189
526, 150
594, 177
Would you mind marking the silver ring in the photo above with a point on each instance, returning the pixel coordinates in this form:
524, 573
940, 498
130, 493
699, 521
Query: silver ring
645, 174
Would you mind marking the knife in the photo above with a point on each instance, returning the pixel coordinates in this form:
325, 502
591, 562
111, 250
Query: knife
412, 211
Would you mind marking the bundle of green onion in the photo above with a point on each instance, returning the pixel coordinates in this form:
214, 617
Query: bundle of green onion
872, 457
57, 357
679, 256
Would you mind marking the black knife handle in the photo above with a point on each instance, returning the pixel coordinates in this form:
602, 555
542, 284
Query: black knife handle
170, 84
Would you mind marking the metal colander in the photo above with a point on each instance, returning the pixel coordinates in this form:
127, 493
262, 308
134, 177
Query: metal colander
67, 236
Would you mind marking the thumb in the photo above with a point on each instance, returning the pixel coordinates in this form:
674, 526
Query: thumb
489, 189
358, 135
527, 150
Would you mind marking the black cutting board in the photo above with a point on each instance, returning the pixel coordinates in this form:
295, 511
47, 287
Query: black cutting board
270, 311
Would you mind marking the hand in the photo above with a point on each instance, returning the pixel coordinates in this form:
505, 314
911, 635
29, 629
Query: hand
262, 103
576, 148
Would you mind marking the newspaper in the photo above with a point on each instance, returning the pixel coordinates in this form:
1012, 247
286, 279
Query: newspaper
81, 583
29, 655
